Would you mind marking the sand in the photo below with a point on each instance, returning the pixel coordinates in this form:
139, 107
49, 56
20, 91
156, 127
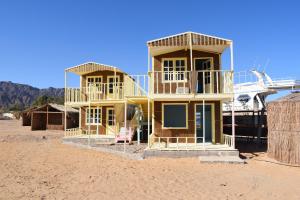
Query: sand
36, 168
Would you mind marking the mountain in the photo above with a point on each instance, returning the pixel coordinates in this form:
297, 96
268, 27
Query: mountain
14, 95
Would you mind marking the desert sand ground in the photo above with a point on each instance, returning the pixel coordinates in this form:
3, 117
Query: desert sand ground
36, 168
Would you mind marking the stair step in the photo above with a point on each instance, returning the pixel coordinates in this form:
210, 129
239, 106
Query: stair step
189, 153
221, 159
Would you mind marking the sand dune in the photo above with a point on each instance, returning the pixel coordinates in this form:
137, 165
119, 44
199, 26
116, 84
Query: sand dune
36, 168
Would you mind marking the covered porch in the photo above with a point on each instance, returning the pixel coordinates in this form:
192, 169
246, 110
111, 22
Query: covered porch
107, 120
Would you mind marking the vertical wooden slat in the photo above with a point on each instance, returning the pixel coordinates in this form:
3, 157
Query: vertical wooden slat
156, 74
211, 82
218, 73
170, 86
203, 81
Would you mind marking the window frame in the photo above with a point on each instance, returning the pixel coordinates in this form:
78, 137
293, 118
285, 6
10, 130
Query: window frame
174, 69
94, 77
186, 116
93, 118
107, 116
213, 120
108, 83
207, 79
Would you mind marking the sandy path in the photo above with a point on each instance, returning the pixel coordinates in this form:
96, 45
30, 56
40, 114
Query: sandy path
33, 168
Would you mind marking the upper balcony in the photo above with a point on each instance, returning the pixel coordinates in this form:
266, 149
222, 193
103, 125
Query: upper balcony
103, 84
101, 92
188, 66
212, 84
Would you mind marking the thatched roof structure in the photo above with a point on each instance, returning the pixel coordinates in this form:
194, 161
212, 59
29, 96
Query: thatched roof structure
293, 97
284, 129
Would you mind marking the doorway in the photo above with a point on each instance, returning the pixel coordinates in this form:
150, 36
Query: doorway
110, 121
203, 67
113, 86
208, 126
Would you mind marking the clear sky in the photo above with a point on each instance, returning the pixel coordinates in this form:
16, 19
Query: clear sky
39, 39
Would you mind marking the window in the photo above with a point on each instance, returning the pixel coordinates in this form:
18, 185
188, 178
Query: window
95, 81
174, 116
112, 84
174, 69
207, 66
204, 64
110, 117
95, 116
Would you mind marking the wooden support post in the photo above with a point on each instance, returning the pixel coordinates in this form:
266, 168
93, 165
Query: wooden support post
149, 58
115, 84
47, 117
63, 122
232, 110
31, 120
65, 127
203, 121
149, 93
191, 62
125, 125
89, 116
231, 56
148, 124
125, 115
80, 117
233, 124
98, 120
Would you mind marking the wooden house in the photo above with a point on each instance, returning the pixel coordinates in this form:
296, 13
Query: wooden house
181, 97
105, 98
188, 87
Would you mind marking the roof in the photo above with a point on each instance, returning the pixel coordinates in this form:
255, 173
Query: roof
57, 107
294, 96
62, 107
179, 41
90, 67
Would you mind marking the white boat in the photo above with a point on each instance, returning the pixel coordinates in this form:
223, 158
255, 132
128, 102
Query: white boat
251, 91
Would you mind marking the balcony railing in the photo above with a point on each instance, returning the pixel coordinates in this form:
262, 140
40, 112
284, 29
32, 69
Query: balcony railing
104, 91
192, 82
187, 143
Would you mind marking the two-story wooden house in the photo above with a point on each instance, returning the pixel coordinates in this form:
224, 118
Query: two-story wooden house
106, 98
187, 87
181, 96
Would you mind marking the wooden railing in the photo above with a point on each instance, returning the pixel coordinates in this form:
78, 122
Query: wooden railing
73, 132
174, 143
228, 140
107, 91
192, 82
136, 85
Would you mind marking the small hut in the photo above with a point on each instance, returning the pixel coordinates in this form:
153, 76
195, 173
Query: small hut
50, 116
284, 129
26, 116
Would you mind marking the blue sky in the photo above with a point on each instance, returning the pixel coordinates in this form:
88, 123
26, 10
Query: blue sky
39, 39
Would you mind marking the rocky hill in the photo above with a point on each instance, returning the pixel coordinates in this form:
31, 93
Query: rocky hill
22, 96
